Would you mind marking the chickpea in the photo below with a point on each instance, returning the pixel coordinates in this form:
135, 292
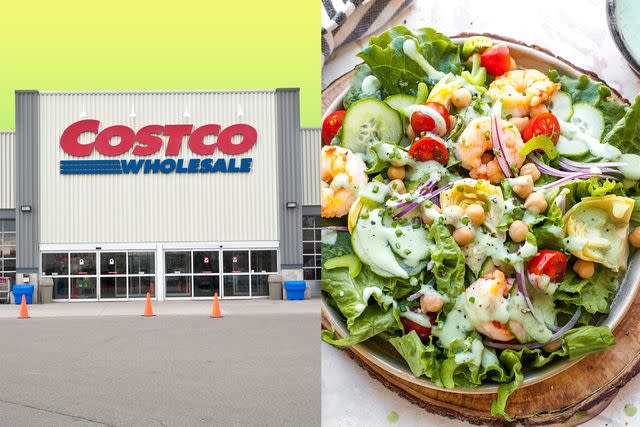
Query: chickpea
538, 109
634, 238
398, 186
426, 216
518, 231
411, 133
523, 189
584, 269
395, 172
519, 122
464, 235
531, 170
536, 203
461, 97
475, 212
512, 64
431, 303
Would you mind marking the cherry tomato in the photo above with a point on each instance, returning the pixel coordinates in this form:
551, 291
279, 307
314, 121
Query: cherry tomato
331, 125
422, 331
496, 59
542, 124
429, 149
421, 122
550, 263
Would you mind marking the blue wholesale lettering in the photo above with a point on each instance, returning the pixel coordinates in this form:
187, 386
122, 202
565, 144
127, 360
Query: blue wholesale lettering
155, 166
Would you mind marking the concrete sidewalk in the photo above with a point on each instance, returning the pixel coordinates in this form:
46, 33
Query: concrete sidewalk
165, 308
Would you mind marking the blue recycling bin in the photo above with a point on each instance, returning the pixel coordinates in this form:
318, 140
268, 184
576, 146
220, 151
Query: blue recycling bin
19, 290
295, 289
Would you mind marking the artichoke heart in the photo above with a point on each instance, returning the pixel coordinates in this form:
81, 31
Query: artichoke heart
596, 230
468, 191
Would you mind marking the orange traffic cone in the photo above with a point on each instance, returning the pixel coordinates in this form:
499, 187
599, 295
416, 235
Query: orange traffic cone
148, 309
24, 313
215, 310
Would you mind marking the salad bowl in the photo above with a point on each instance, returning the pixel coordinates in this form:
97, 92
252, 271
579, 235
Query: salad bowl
376, 352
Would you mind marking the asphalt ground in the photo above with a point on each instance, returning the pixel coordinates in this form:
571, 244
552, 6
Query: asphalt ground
162, 371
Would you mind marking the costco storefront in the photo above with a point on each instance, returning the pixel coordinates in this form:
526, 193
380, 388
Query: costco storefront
181, 194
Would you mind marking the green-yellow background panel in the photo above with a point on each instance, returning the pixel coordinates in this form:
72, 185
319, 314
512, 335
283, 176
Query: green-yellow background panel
149, 45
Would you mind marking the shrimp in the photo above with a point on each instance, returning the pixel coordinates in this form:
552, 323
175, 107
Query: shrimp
474, 149
520, 90
488, 294
342, 174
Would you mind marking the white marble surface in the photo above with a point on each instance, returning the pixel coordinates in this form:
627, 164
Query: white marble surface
573, 29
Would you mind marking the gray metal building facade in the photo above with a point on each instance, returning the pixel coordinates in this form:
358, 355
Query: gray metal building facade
107, 236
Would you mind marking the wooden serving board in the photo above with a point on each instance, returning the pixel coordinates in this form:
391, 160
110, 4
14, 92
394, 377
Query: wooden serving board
571, 397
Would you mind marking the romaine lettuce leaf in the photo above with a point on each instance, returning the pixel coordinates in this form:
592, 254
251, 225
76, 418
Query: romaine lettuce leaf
354, 93
625, 134
373, 321
448, 263
342, 246
591, 294
396, 71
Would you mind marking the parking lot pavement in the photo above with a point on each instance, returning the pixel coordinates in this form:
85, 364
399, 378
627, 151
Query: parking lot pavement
167, 370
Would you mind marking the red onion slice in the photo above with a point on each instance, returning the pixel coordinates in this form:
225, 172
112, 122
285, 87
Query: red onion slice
498, 147
585, 165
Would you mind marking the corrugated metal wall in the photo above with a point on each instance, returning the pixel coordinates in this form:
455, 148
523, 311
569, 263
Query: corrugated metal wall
311, 145
289, 183
27, 181
7, 170
158, 207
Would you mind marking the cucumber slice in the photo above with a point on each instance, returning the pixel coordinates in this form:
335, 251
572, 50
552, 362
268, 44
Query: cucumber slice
351, 262
571, 147
400, 101
561, 106
475, 44
588, 119
367, 121
518, 331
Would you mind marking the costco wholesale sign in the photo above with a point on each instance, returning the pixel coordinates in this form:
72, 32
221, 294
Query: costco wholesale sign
118, 140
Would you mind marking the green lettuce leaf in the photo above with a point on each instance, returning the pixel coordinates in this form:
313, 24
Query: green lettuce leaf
625, 134
354, 93
341, 247
373, 321
448, 263
422, 360
592, 294
396, 71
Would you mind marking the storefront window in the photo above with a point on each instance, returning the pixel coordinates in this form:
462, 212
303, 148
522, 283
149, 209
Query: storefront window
141, 279
259, 285
8, 249
178, 286
206, 286
311, 242
55, 264
142, 263
264, 261
113, 263
82, 263
206, 262
236, 286
177, 262
83, 288
235, 261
